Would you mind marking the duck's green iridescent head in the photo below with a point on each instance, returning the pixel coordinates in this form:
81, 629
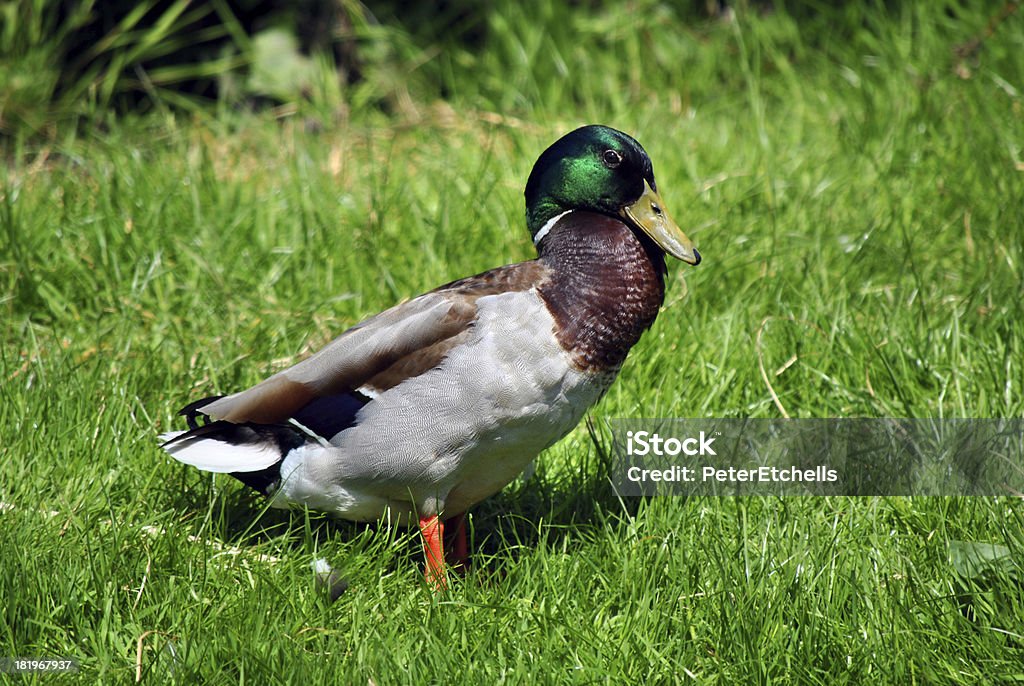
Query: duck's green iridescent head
598, 169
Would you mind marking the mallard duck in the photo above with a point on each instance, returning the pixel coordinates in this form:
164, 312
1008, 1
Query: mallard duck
427, 408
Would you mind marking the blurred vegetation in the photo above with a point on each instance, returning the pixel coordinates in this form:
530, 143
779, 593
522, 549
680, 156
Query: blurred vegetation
64, 62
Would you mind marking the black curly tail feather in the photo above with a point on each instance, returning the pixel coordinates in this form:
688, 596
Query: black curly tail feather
192, 414
324, 417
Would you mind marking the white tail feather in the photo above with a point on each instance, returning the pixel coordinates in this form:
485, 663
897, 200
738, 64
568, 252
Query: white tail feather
217, 456
169, 436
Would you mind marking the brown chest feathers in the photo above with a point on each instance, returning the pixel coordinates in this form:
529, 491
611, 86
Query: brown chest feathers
605, 287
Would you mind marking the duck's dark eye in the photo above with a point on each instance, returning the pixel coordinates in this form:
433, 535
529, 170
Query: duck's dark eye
611, 158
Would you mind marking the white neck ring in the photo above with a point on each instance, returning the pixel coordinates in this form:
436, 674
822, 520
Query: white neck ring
548, 225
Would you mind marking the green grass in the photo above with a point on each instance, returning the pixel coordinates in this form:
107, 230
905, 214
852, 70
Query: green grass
856, 191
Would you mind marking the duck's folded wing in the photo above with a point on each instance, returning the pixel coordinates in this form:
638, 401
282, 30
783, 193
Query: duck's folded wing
378, 353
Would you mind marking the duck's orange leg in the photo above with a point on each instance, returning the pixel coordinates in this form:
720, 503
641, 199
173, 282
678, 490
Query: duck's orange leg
460, 552
432, 529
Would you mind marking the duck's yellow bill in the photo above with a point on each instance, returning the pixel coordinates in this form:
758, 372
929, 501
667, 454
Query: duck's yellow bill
649, 213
